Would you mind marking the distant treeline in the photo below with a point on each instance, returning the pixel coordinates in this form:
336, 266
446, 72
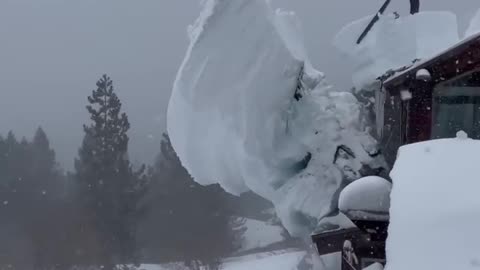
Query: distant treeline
106, 214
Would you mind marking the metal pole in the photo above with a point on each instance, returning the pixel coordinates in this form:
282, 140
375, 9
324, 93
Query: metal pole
374, 20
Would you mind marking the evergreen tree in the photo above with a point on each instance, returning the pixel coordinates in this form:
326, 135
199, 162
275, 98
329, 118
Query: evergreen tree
30, 196
108, 186
187, 222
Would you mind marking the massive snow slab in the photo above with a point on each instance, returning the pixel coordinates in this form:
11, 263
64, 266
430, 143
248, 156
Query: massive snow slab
395, 42
434, 214
474, 26
249, 112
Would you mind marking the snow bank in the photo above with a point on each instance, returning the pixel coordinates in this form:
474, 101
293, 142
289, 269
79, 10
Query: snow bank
375, 266
233, 118
259, 234
474, 26
265, 261
278, 260
368, 197
169, 266
395, 42
434, 210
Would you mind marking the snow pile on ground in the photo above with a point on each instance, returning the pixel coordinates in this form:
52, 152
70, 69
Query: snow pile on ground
259, 234
281, 260
434, 210
170, 266
366, 198
266, 261
474, 26
395, 42
249, 112
375, 266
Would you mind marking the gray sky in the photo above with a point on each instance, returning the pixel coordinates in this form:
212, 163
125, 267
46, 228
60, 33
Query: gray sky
53, 51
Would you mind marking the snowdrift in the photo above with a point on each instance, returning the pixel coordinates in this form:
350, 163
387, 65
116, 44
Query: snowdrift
434, 210
249, 111
280, 260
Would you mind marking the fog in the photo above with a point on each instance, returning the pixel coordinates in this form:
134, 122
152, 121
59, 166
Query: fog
53, 51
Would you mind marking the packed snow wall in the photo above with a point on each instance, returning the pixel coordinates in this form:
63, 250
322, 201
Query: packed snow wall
434, 209
249, 111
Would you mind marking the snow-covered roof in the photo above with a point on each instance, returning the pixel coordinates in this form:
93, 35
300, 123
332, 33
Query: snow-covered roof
394, 42
453, 51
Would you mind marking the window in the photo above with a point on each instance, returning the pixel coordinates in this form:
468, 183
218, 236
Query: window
456, 107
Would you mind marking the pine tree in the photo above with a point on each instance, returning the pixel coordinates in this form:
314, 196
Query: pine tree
31, 197
187, 222
108, 185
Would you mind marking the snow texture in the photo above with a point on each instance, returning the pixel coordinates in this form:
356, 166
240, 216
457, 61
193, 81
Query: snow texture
284, 260
259, 234
474, 26
366, 198
434, 210
233, 118
375, 266
395, 42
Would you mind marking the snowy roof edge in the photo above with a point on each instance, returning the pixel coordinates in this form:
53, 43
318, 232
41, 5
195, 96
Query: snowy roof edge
398, 77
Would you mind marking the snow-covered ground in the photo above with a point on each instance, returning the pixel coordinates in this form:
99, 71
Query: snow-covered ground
259, 234
266, 261
435, 206
282, 260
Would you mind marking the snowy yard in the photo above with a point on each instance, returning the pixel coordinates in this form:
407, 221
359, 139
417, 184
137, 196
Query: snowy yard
282, 260
259, 234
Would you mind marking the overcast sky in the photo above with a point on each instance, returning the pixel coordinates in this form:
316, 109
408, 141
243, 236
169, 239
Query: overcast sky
53, 51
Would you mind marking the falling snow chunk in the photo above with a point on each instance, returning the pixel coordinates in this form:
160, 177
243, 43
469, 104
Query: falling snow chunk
249, 111
5, 202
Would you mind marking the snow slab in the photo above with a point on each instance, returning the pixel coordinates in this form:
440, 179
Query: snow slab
434, 214
366, 198
395, 42
474, 26
233, 119
260, 234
